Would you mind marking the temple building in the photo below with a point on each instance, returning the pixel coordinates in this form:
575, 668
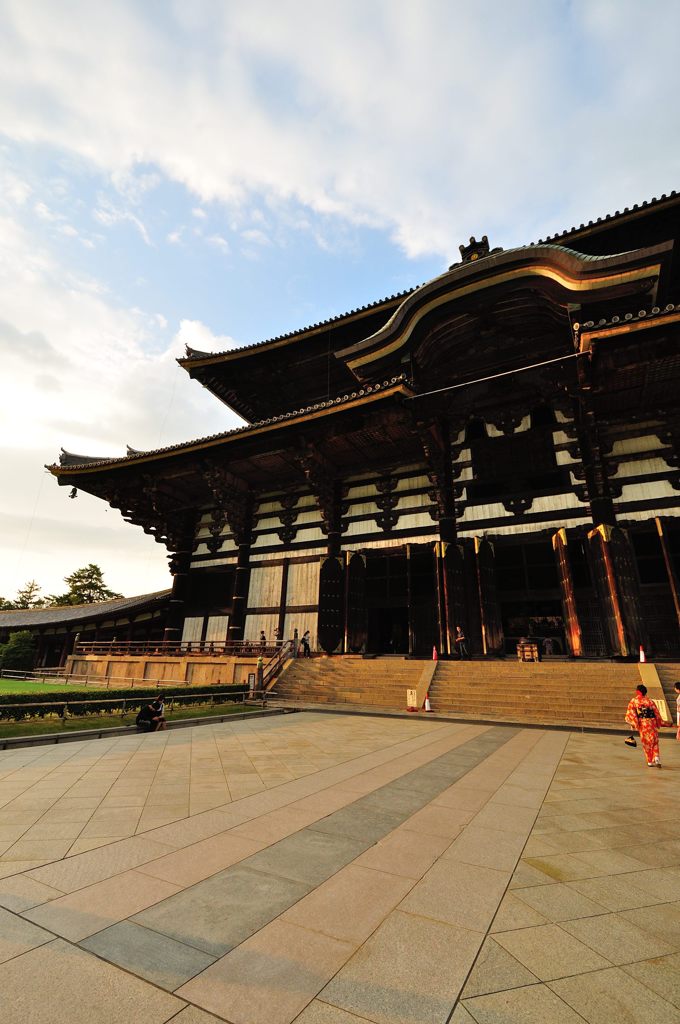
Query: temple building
497, 449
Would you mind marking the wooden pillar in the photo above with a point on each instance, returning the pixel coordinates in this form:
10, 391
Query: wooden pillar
670, 569
492, 629
180, 563
436, 444
618, 589
241, 583
329, 491
571, 621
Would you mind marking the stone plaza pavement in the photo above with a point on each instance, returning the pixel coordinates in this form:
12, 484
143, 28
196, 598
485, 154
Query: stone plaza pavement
335, 869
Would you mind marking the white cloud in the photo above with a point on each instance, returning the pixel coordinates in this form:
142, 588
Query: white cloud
429, 120
90, 376
199, 213
108, 215
197, 335
219, 242
14, 190
256, 236
44, 213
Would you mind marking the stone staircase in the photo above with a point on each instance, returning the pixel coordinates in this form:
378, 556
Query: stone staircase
558, 693
669, 673
575, 693
377, 682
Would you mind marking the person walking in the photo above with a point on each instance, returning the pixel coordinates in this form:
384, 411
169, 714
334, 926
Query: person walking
642, 714
306, 649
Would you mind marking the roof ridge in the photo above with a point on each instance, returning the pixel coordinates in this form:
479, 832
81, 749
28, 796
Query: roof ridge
193, 353
608, 217
625, 318
132, 453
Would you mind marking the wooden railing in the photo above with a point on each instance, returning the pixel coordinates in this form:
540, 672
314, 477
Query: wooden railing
178, 648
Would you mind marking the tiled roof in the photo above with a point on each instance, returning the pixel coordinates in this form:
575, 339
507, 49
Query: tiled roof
18, 618
626, 318
65, 459
194, 353
608, 218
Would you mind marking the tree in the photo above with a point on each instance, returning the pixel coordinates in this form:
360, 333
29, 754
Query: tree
5, 604
19, 651
29, 596
85, 586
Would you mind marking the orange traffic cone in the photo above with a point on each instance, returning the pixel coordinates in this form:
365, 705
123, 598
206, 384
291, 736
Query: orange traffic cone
643, 658
428, 706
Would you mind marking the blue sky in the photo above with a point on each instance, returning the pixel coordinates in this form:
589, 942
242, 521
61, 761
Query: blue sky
218, 173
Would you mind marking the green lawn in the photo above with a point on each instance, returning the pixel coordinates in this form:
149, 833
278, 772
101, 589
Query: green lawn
49, 725
33, 686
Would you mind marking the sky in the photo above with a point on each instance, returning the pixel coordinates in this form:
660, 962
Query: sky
217, 173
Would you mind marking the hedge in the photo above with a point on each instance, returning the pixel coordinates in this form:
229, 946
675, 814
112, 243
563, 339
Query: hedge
35, 705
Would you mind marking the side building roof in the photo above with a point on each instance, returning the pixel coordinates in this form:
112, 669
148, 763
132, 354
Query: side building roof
73, 614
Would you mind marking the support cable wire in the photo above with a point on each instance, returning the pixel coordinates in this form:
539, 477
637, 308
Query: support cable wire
496, 376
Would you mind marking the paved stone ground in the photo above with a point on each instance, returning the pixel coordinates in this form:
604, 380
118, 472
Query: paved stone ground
334, 869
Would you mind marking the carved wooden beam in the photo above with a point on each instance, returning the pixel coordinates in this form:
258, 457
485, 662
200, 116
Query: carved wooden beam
234, 506
288, 516
328, 490
387, 500
159, 514
436, 446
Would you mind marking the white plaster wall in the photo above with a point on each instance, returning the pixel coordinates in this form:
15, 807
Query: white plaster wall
302, 621
265, 587
217, 628
390, 542
213, 561
632, 445
639, 467
526, 527
193, 627
265, 556
476, 513
303, 583
255, 623
654, 490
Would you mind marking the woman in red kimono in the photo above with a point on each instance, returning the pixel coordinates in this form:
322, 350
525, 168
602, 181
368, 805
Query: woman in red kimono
643, 715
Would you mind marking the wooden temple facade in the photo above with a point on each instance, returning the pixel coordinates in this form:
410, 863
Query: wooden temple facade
498, 449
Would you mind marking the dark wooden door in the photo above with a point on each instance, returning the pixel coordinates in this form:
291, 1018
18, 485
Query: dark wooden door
356, 619
331, 603
565, 576
629, 588
492, 628
454, 593
423, 620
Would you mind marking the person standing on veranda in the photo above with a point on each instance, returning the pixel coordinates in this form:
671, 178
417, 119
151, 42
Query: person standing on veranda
676, 687
642, 714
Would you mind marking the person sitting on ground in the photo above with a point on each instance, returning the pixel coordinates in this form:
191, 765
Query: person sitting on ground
159, 711
147, 720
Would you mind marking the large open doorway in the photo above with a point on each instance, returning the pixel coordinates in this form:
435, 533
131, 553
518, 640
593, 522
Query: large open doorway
529, 596
401, 600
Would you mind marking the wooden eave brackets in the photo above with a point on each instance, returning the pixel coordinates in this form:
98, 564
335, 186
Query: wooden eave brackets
588, 337
568, 277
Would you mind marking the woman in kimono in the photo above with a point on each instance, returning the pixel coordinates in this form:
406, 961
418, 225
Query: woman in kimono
643, 715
